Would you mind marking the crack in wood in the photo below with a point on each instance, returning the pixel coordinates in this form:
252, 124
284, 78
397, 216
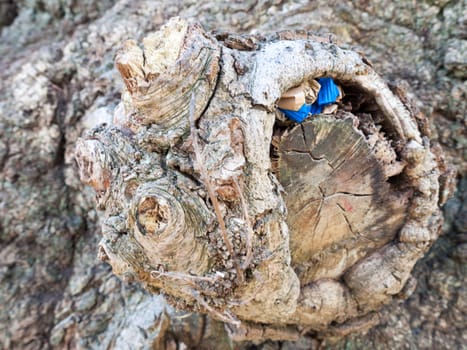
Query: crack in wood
346, 219
349, 194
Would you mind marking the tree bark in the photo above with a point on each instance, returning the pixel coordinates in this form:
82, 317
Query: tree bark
58, 79
206, 195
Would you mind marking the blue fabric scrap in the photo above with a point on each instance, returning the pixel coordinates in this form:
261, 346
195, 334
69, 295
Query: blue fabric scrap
327, 94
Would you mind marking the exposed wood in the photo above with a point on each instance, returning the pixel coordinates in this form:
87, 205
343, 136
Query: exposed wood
341, 206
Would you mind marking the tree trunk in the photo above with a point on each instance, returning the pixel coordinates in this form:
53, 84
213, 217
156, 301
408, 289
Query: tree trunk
59, 79
192, 206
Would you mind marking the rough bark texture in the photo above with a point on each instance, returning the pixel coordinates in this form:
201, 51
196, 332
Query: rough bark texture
55, 85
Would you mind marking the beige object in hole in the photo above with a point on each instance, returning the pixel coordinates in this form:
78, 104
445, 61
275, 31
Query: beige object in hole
292, 99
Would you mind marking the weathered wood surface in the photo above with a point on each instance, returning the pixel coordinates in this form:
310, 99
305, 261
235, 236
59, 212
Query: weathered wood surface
322, 229
340, 204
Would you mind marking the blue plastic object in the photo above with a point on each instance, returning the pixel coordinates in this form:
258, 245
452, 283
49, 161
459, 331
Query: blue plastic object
297, 116
327, 94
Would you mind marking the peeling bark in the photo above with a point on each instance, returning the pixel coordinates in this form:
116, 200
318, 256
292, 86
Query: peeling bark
207, 196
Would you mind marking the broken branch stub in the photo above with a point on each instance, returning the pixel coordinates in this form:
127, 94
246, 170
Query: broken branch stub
271, 226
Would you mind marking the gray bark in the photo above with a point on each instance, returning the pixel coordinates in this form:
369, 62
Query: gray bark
55, 86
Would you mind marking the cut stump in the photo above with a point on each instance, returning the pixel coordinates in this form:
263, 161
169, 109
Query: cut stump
208, 196
340, 204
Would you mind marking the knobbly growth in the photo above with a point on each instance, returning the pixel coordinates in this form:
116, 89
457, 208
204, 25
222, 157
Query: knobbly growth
211, 196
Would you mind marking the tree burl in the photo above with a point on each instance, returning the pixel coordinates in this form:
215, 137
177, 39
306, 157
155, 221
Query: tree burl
207, 195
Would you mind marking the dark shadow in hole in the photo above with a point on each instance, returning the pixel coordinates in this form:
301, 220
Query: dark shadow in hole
8, 12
